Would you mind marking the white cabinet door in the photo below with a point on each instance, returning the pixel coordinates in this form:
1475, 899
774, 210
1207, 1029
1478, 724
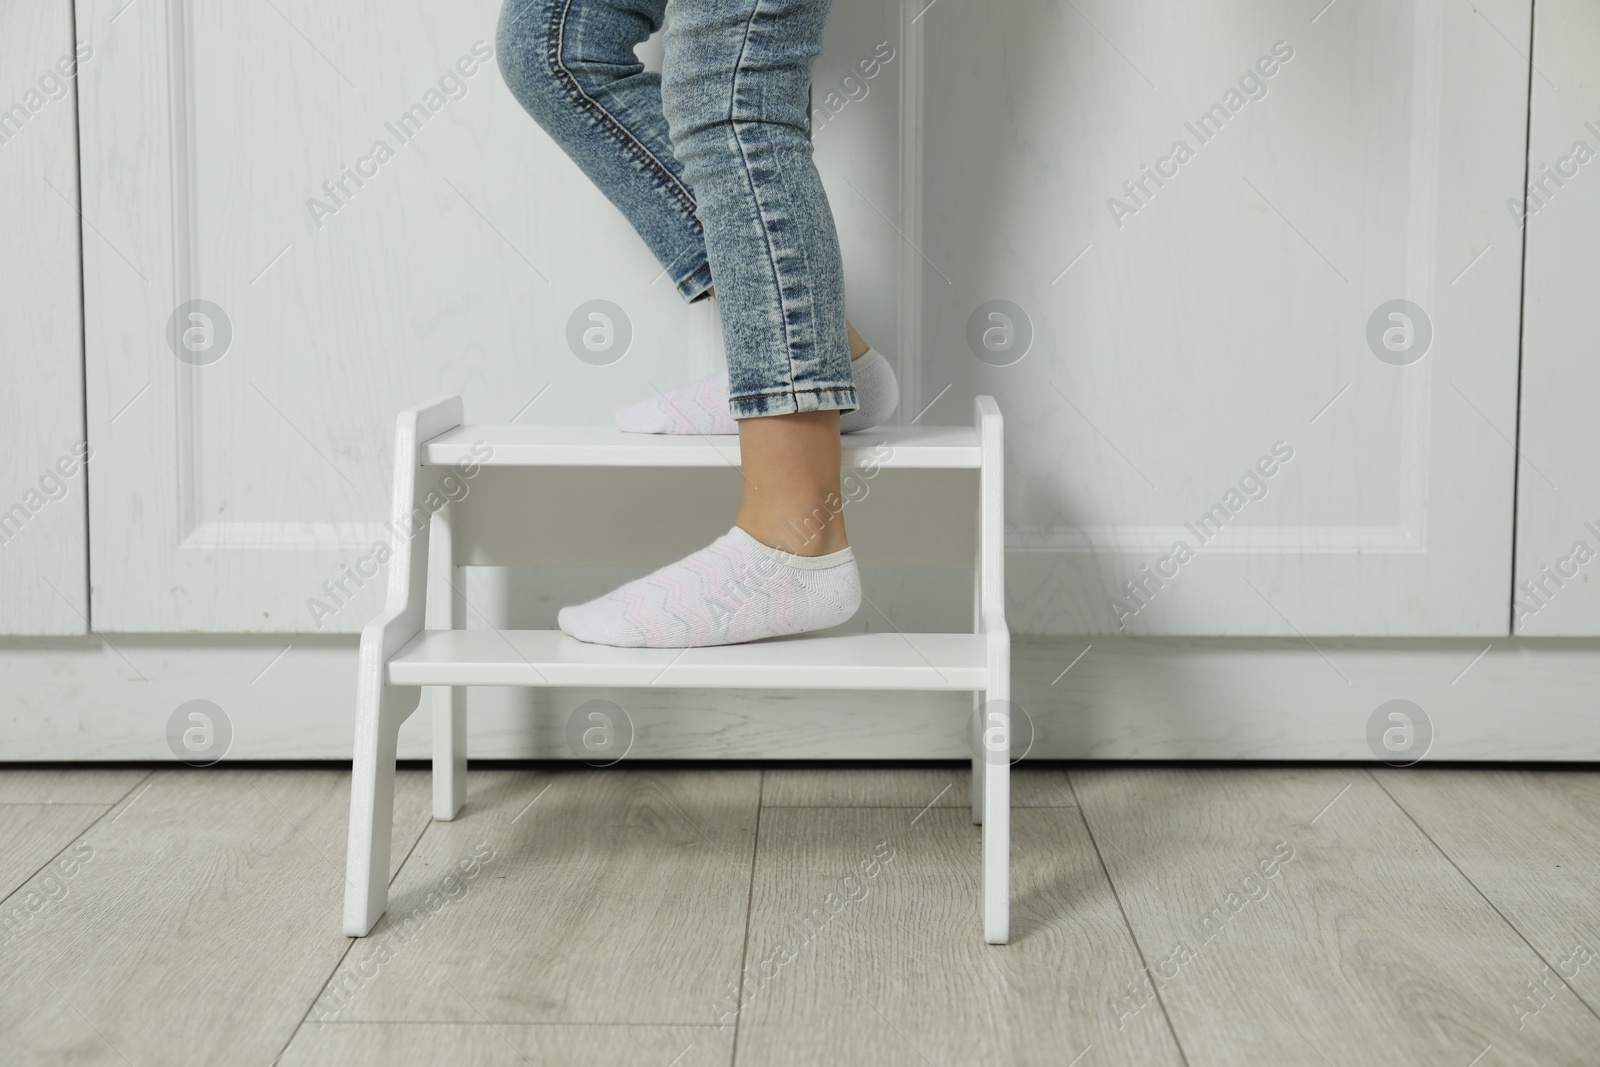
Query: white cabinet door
1163, 234
1558, 480
1183, 336
43, 563
254, 157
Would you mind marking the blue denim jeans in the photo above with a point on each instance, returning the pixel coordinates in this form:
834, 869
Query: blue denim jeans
710, 163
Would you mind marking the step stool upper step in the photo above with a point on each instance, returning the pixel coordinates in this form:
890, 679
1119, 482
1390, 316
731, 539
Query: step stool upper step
925, 447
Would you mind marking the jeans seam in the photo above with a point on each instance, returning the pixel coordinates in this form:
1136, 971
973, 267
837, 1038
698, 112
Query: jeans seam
700, 263
755, 195
702, 268
795, 392
555, 36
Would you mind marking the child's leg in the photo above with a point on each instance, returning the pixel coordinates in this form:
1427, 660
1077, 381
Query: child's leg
736, 78
571, 64
735, 86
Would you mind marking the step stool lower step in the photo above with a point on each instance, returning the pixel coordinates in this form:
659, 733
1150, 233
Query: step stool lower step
919, 661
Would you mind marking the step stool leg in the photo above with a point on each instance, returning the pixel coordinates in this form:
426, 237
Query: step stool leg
447, 610
977, 759
997, 823
449, 751
378, 719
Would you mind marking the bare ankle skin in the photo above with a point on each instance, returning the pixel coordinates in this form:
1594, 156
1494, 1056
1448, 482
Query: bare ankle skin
858, 347
791, 499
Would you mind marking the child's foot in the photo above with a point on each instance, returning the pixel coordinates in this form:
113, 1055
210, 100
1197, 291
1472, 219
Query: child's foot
736, 589
702, 407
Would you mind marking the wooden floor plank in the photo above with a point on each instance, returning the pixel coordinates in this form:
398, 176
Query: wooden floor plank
32, 835
199, 918
505, 1045
1530, 841
603, 896
67, 785
1298, 916
885, 963
1032, 786
201, 926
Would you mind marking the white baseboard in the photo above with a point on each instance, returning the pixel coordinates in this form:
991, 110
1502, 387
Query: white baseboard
1126, 698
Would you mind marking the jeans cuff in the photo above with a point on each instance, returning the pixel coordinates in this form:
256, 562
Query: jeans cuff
841, 398
694, 285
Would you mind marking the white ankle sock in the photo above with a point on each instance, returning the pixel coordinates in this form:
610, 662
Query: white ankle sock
877, 391
702, 407
734, 590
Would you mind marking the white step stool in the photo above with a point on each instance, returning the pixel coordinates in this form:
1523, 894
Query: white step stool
918, 481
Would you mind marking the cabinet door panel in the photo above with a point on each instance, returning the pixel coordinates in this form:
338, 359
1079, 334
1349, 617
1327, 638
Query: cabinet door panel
44, 576
1207, 320
1194, 309
372, 220
1558, 479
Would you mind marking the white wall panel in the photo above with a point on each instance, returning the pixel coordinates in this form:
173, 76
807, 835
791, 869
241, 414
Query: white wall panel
1125, 698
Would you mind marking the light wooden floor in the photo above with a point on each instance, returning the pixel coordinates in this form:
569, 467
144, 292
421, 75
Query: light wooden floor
676, 917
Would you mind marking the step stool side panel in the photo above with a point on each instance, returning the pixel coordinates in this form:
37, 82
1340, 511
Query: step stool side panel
366, 886
975, 727
975, 731
415, 495
381, 708
997, 796
991, 512
996, 784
